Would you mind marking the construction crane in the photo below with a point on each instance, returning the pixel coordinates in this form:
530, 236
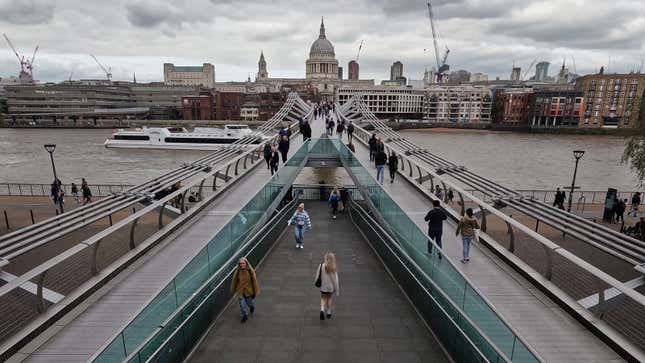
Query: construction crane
442, 67
575, 71
359, 51
26, 66
108, 71
526, 71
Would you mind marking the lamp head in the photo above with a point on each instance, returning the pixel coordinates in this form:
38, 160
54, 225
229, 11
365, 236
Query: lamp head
578, 154
50, 147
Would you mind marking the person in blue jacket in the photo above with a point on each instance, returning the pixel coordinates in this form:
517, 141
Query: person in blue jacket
334, 200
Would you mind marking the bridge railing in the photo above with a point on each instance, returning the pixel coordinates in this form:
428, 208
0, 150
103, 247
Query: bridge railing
44, 190
561, 274
548, 196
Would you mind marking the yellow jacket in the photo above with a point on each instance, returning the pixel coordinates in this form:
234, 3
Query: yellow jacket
245, 283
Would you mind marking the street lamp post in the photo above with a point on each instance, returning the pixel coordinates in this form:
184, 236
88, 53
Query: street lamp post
576, 154
50, 149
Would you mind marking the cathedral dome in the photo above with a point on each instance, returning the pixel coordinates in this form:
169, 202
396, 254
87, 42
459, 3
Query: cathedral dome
322, 47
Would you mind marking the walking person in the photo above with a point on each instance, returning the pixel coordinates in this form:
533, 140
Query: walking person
621, 206
351, 148
274, 160
450, 195
87, 193
333, 202
350, 132
75, 193
306, 132
380, 159
467, 226
435, 218
267, 154
327, 280
372, 145
283, 146
340, 129
301, 222
636, 202
393, 164
246, 287
439, 193
55, 193
332, 126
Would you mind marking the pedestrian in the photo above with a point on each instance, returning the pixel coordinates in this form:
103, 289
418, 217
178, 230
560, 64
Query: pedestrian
87, 193
83, 183
284, 131
274, 161
636, 202
340, 129
620, 210
306, 134
333, 202
435, 218
344, 198
55, 193
451, 195
245, 286
393, 164
350, 132
467, 226
327, 280
439, 193
267, 154
380, 159
351, 147
372, 145
332, 126
283, 146
301, 222
75, 193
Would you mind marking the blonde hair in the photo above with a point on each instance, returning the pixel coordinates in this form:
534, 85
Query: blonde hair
330, 262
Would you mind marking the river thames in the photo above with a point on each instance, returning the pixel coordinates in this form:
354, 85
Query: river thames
517, 160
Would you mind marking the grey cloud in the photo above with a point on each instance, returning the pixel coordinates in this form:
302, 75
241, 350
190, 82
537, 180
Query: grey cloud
26, 12
146, 15
150, 14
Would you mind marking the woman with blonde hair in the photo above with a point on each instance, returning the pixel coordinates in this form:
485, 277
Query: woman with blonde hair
301, 221
245, 286
327, 280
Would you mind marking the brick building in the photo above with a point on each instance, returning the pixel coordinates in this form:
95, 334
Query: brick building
611, 100
556, 106
512, 106
200, 107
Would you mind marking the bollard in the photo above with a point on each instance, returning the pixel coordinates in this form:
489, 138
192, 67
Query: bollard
31, 212
110, 218
6, 220
134, 210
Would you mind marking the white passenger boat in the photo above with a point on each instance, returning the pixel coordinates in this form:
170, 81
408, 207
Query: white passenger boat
178, 138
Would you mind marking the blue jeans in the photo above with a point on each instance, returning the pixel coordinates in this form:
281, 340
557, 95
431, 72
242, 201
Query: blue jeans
299, 234
246, 303
436, 236
467, 240
380, 171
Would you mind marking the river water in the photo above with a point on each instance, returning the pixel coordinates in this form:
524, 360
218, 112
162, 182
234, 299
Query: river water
517, 160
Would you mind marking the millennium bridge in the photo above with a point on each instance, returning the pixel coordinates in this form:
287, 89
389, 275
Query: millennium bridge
143, 275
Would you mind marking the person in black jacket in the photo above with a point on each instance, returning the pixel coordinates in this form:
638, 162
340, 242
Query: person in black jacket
350, 132
267, 154
306, 131
275, 160
283, 146
435, 218
372, 144
393, 164
380, 159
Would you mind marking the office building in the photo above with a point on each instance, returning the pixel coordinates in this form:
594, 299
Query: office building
203, 75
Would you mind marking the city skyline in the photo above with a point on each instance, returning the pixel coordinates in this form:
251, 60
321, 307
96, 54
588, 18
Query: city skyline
139, 36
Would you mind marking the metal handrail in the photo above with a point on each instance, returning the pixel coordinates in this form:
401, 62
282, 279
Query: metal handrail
410, 261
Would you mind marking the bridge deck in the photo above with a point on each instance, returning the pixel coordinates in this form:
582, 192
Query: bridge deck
554, 334
372, 320
75, 339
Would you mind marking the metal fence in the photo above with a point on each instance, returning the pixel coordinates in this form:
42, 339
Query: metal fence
547, 196
44, 190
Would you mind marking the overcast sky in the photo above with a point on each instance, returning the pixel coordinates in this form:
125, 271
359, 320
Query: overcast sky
137, 36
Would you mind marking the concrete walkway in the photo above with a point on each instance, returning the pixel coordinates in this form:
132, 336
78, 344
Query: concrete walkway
372, 320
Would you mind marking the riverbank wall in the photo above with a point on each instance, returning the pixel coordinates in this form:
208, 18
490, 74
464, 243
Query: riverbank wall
121, 124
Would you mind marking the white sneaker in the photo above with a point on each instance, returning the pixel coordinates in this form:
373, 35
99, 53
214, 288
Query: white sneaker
334, 217
301, 246
297, 245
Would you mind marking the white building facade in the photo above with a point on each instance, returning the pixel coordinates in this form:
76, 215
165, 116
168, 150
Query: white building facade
203, 75
457, 104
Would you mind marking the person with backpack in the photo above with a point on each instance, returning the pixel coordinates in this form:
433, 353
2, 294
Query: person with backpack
274, 160
301, 222
380, 159
283, 146
333, 202
393, 165
467, 226
245, 286
267, 154
75, 192
340, 129
87, 193
327, 281
636, 202
435, 218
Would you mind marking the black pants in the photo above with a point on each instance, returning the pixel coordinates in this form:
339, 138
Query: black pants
274, 168
334, 208
284, 156
436, 236
392, 173
268, 161
372, 155
350, 136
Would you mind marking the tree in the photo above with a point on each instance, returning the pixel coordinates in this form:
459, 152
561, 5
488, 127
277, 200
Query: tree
634, 153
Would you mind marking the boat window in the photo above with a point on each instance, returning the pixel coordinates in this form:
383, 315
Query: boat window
131, 137
204, 140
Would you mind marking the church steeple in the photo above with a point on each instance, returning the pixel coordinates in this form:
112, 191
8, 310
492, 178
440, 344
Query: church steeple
322, 28
262, 68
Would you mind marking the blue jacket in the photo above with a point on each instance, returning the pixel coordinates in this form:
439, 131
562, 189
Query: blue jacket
333, 199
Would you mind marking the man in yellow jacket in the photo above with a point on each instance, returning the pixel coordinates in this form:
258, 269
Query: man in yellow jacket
245, 286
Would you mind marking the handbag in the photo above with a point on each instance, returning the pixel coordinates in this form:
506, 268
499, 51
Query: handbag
318, 282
